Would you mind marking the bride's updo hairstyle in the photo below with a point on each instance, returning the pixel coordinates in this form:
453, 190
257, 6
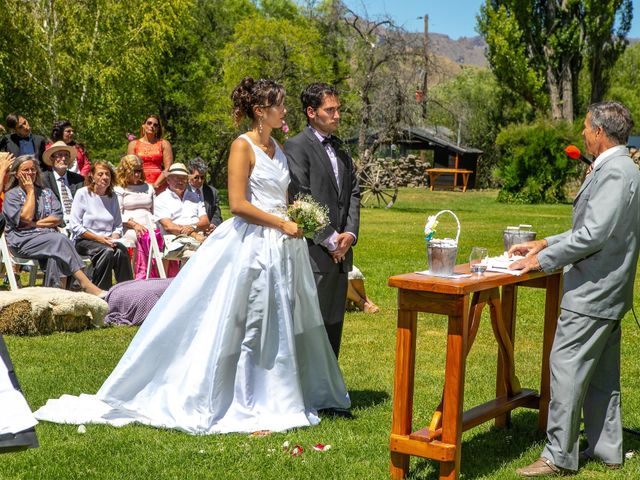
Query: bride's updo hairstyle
250, 93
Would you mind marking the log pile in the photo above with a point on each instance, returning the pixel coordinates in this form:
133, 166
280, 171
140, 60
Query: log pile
407, 171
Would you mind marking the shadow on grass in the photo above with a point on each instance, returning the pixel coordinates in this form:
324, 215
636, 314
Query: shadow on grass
367, 398
484, 454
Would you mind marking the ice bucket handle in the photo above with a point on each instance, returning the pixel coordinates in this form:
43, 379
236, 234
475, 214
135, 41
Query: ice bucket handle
454, 216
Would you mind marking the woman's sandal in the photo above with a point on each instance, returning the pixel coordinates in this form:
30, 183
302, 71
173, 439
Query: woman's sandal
369, 307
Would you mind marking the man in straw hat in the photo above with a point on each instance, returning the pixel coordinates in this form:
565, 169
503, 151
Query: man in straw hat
62, 182
179, 210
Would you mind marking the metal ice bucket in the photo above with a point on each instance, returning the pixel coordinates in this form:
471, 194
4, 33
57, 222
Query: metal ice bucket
513, 235
441, 255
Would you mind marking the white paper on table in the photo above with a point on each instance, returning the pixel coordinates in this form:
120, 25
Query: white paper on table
501, 264
15, 414
453, 275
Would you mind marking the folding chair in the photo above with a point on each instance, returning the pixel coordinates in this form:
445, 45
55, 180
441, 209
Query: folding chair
8, 260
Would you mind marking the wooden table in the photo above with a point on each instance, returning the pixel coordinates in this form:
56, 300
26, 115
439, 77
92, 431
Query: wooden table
462, 300
434, 173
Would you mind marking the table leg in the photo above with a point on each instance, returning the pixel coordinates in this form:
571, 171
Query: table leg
509, 301
551, 312
403, 387
465, 181
454, 387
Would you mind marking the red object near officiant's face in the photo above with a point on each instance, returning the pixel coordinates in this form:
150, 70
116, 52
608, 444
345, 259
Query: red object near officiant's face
572, 152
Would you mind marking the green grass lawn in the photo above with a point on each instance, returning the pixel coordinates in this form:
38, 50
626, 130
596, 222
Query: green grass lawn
390, 242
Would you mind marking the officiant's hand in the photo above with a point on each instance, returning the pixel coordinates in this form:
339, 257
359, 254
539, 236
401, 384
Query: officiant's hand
527, 264
528, 249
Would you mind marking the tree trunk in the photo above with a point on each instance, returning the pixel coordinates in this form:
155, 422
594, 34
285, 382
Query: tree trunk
567, 91
554, 94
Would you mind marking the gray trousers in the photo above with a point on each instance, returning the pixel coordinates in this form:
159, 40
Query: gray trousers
585, 378
332, 295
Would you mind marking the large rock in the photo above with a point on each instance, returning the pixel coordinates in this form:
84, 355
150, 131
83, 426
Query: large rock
41, 310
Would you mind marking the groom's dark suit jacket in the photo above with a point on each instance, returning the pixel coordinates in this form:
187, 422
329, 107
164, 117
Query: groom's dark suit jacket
311, 173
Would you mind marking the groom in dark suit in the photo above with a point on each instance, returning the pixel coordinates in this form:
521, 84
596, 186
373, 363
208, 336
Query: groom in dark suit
321, 167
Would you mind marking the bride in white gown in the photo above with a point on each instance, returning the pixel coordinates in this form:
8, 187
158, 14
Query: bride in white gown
237, 342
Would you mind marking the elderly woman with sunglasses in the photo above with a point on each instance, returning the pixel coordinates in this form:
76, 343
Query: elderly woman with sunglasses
136, 198
33, 214
154, 151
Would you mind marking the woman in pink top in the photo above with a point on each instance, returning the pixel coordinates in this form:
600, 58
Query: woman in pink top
154, 151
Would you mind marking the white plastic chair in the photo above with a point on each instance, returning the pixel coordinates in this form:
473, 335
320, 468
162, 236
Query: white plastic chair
154, 249
8, 260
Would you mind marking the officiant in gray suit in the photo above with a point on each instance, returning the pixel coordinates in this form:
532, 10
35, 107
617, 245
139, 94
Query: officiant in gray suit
600, 254
321, 167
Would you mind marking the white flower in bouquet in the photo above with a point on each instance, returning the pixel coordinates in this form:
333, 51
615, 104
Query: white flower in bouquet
309, 215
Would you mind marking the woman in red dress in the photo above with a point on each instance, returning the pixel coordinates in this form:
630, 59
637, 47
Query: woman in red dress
154, 151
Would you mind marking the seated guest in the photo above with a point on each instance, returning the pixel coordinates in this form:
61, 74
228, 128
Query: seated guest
63, 183
62, 131
22, 141
206, 193
357, 295
136, 198
6, 160
96, 227
180, 214
178, 209
131, 302
33, 214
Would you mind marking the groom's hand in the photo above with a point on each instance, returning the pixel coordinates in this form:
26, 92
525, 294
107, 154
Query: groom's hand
344, 242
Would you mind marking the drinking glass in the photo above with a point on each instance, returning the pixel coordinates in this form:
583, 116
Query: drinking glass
476, 260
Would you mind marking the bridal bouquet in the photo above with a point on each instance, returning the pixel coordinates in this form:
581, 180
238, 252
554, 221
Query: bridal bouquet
308, 214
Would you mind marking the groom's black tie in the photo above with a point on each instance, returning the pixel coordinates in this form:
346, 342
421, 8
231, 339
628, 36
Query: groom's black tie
335, 142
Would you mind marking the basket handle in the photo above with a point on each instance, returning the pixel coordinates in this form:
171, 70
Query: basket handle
454, 216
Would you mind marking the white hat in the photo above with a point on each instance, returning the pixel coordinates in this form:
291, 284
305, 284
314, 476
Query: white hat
178, 169
56, 147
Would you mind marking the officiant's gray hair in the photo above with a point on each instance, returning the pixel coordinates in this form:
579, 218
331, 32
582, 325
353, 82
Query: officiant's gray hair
250, 93
614, 118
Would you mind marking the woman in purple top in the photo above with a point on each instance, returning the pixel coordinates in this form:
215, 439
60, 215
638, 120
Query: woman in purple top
33, 214
96, 227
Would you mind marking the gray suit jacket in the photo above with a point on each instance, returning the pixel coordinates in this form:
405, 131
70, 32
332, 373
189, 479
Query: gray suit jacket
312, 174
601, 249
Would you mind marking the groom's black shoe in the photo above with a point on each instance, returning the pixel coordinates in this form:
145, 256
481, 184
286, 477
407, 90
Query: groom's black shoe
336, 412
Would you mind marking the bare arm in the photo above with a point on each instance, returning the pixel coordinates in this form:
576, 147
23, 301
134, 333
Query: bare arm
241, 162
28, 211
167, 160
131, 147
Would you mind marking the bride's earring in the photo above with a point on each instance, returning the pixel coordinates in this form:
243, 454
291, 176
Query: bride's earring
260, 125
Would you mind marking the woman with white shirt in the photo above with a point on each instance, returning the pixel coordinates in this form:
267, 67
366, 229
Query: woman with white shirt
136, 198
96, 227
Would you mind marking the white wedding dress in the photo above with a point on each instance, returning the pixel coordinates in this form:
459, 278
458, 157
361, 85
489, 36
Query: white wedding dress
236, 343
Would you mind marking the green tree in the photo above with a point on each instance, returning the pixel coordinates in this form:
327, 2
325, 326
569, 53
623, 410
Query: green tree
87, 61
475, 103
537, 48
533, 166
625, 79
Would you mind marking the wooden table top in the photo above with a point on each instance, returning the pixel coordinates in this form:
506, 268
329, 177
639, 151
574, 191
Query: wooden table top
459, 286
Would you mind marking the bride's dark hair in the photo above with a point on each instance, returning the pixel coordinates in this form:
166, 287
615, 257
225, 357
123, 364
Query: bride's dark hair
251, 93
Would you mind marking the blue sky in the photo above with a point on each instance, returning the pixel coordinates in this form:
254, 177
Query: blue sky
456, 18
